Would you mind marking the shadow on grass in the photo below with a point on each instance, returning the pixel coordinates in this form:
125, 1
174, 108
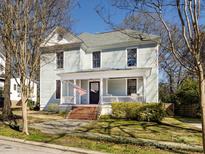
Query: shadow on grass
188, 119
146, 125
12, 122
56, 138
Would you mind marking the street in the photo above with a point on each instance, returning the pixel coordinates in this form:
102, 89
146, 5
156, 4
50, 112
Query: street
9, 147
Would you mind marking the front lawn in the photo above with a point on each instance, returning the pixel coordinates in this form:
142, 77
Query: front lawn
170, 129
71, 141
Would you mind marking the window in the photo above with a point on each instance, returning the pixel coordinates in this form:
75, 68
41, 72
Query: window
59, 60
18, 89
59, 37
1, 91
132, 57
15, 87
96, 59
131, 86
1, 67
58, 89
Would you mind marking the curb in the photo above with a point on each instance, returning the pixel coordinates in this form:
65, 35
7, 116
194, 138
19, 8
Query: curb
53, 146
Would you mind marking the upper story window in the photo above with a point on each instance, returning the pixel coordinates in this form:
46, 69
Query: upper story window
59, 37
96, 59
132, 57
14, 87
59, 60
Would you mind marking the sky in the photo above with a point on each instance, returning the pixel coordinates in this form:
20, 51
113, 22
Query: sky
87, 20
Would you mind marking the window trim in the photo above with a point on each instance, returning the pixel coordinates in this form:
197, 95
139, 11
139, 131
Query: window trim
57, 60
136, 58
56, 90
135, 84
100, 60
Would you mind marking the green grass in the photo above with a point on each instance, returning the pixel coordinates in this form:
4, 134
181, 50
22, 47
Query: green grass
170, 129
66, 140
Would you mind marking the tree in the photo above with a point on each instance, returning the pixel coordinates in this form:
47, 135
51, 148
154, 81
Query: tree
187, 16
172, 71
6, 113
24, 27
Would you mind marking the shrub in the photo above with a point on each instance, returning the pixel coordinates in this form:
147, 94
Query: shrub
53, 107
31, 104
138, 111
104, 117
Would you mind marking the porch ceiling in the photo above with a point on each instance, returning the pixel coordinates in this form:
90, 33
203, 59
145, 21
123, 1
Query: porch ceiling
106, 73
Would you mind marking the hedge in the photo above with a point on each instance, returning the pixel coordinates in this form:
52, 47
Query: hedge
138, 111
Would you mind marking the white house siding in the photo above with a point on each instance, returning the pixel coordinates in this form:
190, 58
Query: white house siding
77, 60
15, 95
115, 58
48, 74
148, 57
2, 84
85, 60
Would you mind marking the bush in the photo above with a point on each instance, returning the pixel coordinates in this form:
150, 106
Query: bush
188, 92
53, 107
138, 111
31, 104
105, 117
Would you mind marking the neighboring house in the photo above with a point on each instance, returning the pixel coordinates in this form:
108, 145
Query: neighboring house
15, 92
2, 70
14, 89
110, 67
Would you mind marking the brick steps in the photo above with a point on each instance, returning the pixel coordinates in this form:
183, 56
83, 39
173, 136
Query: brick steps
83, 113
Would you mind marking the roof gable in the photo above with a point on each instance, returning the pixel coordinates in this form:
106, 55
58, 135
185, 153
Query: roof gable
60, 36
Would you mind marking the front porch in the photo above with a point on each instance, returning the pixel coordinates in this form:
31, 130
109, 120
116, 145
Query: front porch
120, 86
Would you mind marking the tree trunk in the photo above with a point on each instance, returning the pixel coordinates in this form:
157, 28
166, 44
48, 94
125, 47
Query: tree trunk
202, 102
24, 114
7, 113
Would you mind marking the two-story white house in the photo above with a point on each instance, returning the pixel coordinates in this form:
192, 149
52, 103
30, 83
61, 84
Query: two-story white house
116, 66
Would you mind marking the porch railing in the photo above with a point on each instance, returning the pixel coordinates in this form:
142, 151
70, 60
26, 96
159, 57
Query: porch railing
107, 99
67, 99
110, 99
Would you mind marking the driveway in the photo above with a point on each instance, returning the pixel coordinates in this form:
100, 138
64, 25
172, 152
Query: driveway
9, 147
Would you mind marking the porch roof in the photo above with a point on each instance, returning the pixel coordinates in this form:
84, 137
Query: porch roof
106, 73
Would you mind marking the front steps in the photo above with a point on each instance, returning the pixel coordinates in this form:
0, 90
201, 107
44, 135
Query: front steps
83, 113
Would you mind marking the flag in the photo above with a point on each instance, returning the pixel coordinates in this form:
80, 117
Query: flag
80, 90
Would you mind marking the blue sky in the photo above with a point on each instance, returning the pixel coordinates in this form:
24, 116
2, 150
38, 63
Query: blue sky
87, 20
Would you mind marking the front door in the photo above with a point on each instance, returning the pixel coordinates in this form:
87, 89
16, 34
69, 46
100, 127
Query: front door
94, 90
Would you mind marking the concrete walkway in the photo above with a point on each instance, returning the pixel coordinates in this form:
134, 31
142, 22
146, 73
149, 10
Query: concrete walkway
64, 126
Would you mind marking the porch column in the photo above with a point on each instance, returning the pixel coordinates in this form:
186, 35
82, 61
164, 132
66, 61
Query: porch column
106, 90
61, 92
101, 90
74, 92
144, 87
80, 84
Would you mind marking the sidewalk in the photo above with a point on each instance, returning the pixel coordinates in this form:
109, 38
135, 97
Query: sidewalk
12, 145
